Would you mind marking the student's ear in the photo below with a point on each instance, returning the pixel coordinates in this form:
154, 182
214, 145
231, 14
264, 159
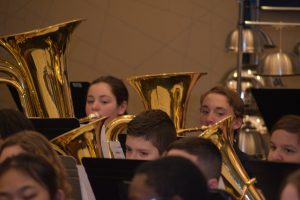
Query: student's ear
122, 108
237, 123
60, 195
213, 183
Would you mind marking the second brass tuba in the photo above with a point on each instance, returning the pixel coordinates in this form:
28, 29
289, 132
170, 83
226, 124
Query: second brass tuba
34, 63
169, 92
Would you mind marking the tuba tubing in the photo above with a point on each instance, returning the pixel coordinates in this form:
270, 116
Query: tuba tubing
113, 129
239, 183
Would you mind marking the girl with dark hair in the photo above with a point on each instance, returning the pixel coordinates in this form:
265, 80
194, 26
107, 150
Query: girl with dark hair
107, 96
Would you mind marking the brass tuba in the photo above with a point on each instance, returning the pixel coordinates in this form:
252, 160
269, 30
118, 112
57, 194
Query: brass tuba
81, 142
35, 65
169, 92
236, 178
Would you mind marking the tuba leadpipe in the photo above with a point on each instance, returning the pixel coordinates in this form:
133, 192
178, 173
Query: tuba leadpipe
35, 65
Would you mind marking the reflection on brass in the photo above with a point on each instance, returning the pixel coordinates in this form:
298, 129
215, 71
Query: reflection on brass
236, 178
35, 65
169, 92
81, 142
114, 128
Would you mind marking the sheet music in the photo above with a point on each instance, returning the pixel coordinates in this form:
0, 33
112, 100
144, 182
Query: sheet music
116, 149
104, 144
85, 186
114, 146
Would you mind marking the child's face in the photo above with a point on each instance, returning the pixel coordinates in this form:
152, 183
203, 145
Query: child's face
101, 100
214, 108
284, 147
17, 185
137, 148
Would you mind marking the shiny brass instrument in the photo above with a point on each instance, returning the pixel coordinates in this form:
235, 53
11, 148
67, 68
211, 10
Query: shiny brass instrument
236, 178
113, 129
35, 64
169, 92
81, 142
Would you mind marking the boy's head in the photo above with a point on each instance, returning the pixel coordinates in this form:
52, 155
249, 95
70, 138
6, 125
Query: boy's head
203, 153
173, 178
149, 134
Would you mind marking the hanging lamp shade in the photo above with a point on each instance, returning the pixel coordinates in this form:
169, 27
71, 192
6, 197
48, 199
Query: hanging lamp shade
254, 40
278, 64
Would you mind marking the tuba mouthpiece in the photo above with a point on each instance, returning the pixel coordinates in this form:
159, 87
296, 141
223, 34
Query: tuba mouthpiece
91, 116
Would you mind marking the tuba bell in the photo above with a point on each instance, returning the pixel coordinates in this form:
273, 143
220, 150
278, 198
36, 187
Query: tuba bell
169, 92
236, 178
81, 142
34, 63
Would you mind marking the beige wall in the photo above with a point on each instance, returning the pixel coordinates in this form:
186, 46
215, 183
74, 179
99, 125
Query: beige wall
136, 37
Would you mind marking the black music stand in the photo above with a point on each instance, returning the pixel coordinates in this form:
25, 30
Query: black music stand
79, 91
270, 175
53, 127
274, 103
110, 178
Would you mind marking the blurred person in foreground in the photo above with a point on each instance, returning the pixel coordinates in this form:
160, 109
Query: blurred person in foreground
26, 176
168, 178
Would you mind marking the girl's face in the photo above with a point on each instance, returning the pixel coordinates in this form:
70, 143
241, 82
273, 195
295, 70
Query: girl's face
138, 148
15, 185
284, 147
101, 100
